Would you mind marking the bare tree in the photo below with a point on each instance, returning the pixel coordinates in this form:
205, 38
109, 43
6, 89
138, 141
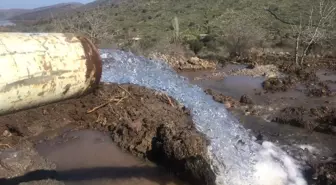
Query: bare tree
314, 31
93, 24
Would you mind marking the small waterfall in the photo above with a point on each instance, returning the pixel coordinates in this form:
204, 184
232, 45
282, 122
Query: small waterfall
236, 158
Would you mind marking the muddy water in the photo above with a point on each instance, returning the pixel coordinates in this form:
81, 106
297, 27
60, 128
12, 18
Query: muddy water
220, 80
325, 75
236, 86
89, 157
329, 77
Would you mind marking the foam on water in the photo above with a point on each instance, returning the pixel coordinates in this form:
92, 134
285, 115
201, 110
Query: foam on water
235, 157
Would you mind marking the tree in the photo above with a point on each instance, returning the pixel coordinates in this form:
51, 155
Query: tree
93, 24
311, 30
312, 33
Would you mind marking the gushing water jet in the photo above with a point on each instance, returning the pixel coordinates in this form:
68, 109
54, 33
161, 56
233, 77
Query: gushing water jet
236, 158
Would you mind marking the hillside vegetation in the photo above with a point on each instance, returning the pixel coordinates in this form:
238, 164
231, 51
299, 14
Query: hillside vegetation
212, 28
8, 13
45, 12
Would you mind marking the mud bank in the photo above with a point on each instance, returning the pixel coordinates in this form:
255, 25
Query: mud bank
320, 119
143, 122
302, 98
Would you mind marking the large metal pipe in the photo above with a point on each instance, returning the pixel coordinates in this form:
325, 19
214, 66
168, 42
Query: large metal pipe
41, 68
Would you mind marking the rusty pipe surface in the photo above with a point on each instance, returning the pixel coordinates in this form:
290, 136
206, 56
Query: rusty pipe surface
42, 68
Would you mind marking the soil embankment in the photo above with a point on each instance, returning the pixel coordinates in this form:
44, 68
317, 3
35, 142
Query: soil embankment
146, 123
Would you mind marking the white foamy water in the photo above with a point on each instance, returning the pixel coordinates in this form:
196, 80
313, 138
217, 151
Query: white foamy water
236, 158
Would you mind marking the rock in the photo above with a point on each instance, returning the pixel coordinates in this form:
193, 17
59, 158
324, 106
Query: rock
251, 66
202, 36
227, 104
6, 133
136, 125
246, 99
15, 161
45, 112
194, 60
270, 75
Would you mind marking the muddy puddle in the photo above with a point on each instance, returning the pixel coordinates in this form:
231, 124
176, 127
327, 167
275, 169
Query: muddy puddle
90, 157
234, 86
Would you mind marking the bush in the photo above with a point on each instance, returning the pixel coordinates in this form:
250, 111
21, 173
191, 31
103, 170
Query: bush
208, 38
240, 36
196, 45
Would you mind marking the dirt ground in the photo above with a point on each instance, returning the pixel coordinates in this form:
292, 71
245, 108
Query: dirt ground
304, 74
148, 124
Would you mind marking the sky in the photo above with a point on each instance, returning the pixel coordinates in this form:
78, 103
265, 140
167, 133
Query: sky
27, 4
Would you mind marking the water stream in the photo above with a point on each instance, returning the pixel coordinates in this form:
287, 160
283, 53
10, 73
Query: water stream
236, 158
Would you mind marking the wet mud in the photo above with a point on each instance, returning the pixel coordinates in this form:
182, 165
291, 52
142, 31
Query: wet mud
320, 119
145, 123
296, 110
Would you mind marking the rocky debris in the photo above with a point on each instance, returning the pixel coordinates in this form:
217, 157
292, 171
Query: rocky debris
320, 119
268, 71
148, 124
235, 105
183, 63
